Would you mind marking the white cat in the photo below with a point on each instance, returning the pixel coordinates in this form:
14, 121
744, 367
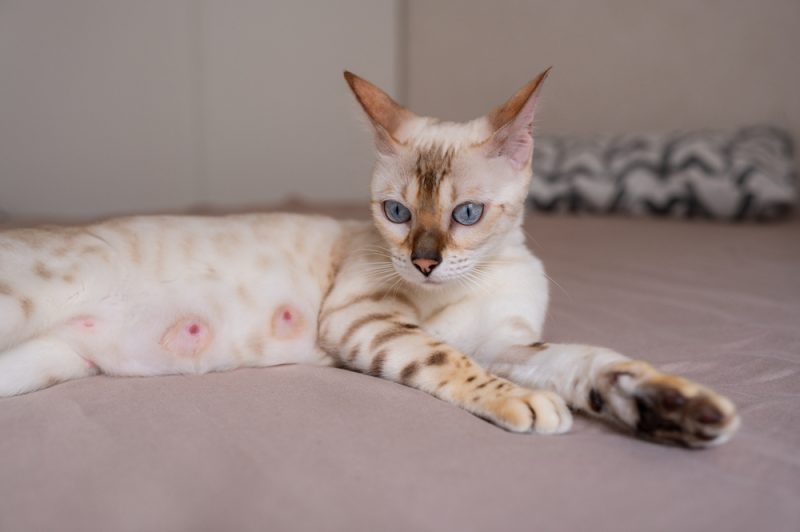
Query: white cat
440, 293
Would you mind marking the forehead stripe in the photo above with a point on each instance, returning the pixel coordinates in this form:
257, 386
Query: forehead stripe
432, 166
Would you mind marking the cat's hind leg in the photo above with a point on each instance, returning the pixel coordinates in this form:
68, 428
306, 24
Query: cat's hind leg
39, 363
602, 383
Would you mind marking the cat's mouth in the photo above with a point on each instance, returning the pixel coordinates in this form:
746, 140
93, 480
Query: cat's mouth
433, 282
417, 279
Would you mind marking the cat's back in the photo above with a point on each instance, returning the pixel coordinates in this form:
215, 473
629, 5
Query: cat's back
149, 241
162, 245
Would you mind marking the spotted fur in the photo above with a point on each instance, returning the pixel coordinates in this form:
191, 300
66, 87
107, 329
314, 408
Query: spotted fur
159, 295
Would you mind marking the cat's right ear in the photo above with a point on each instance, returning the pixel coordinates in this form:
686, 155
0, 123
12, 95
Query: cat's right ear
385, 114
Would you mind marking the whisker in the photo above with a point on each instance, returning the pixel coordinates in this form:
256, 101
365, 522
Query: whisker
374, 269
393, 287
477, 278
491, 262
558, 285
376, 266
527, 234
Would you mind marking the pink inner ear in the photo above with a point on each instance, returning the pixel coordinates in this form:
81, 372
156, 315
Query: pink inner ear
514, 140
518, 147
515, 143
384, 142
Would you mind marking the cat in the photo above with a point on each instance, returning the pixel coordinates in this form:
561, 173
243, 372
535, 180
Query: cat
439, 293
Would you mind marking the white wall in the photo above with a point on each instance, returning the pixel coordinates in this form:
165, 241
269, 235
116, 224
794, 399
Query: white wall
280, 120
619, 65
111, 107
158, 105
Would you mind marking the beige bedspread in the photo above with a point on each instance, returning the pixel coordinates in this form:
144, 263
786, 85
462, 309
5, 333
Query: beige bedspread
307, 448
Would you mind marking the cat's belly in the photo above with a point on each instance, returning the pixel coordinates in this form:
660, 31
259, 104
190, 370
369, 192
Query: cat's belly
200, 295
196, 327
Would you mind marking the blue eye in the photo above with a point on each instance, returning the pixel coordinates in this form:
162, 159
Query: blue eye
396, 212
468, 213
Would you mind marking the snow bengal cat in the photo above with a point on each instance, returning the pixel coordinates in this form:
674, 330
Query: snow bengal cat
439, 293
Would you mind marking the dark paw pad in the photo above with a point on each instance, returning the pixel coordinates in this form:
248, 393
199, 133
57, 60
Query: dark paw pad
676, 411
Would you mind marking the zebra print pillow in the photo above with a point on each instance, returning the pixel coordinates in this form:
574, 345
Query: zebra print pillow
747, 175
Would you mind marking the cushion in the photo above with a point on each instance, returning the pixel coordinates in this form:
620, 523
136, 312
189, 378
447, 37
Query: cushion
745, 175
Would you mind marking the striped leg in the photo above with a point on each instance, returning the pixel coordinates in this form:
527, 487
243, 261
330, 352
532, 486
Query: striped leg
605, 384
390, 345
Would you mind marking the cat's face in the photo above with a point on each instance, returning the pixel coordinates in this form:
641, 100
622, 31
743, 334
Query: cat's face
446, 196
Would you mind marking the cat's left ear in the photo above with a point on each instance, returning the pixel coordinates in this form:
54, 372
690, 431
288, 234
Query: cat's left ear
512, 124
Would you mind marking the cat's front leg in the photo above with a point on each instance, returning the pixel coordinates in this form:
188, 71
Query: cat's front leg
656, 406
389, 344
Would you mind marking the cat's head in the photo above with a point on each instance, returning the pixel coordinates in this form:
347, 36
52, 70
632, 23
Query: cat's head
447, 196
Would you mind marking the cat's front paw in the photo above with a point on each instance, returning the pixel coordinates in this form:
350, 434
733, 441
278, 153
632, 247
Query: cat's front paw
524, 410
664, 408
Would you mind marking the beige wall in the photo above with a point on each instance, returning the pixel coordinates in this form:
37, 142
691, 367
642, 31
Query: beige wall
619, 65
154, 105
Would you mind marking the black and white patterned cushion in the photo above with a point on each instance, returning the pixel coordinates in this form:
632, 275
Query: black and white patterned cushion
746, 175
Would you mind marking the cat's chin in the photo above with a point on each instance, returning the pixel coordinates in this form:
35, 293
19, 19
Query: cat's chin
428, 283
432, 283
417, 280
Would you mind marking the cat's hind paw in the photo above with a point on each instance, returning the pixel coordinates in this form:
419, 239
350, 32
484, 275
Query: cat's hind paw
664, 408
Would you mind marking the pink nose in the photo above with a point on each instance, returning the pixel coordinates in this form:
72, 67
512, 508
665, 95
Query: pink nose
425, 266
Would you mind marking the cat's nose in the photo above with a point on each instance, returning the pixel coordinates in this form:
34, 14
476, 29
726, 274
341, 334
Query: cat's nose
425, 265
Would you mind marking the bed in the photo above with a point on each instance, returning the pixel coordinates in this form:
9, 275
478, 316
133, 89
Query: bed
311, 448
